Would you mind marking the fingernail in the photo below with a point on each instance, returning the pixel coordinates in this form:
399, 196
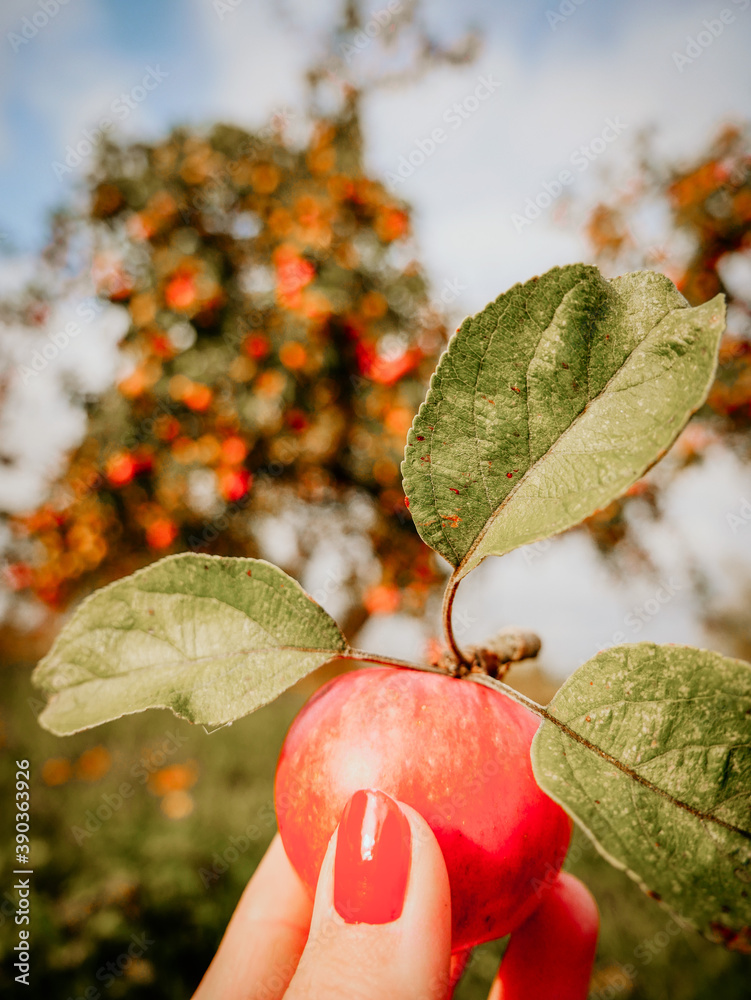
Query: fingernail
371, 866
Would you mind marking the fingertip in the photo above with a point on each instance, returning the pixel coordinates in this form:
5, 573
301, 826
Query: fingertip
579, 906
550, 957
426, 886
354, 943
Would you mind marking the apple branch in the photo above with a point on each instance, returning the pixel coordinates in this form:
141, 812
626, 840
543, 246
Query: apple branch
363, 656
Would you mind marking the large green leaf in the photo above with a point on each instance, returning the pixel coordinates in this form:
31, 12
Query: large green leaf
652, 756
549, 403
212, 638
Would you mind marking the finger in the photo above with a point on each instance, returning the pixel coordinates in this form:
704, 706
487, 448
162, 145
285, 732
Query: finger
265, 937
550, 956
381, 923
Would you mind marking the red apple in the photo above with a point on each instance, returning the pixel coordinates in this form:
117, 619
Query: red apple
456, 752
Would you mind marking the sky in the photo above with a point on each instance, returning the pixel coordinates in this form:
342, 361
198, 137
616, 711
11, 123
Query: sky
553, 83
558, 90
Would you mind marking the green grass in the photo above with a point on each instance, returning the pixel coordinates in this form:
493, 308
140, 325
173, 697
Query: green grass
140, 872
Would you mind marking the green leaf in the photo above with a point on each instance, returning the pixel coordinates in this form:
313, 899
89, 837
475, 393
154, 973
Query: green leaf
210, 637
549, 403
652, 756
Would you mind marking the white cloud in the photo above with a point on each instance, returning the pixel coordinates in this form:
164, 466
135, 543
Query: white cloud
75, 350
257, 58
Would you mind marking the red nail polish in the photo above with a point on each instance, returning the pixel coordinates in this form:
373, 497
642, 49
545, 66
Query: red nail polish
371, 867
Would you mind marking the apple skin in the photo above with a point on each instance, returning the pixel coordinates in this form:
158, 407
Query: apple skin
456, 752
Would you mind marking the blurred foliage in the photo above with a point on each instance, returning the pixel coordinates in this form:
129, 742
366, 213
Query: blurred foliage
130, 835
170, 859
280, 340
700, 213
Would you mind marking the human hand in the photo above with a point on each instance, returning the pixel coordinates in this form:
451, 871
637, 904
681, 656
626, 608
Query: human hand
380, 925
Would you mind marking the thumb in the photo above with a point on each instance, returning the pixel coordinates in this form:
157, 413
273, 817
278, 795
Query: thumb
381, 922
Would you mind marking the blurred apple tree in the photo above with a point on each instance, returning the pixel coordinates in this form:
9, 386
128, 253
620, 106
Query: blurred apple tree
693, 223
280, 338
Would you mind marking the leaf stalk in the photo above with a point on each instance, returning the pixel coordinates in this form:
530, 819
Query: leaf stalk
461, 662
